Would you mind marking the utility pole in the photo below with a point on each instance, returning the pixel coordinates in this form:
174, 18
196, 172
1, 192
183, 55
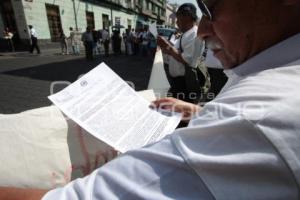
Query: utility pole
111, 17
75, 14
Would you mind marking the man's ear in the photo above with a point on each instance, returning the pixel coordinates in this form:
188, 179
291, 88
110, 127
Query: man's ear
291, 2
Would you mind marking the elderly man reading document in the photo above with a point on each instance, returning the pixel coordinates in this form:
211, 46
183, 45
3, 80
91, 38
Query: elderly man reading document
245, 144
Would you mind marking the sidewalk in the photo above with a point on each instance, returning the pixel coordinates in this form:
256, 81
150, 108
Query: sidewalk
45, 51
9, 60
20, 60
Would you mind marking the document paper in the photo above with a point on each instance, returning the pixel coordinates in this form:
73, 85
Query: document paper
108, 108
153, 29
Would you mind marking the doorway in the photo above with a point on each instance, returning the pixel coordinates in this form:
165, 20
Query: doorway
9, 21
54, 22
90, 21
105, 21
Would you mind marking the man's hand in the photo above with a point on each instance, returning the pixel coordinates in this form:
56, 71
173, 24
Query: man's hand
9, 193
162, 42
176, 105
165, 46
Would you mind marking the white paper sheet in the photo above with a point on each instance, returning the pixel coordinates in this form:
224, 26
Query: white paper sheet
158, 78
105, 106
149, 95
173, 39
153, 29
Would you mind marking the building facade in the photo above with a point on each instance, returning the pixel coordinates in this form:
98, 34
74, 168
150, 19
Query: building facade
50, 17
171, 15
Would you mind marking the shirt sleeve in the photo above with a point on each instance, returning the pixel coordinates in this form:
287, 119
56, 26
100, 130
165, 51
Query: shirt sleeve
155, 172
234, 159
188, 46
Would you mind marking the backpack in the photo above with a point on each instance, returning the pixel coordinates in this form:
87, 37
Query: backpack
202, 67
197, 79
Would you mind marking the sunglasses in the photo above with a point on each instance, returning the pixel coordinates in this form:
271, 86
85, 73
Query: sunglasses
204, 6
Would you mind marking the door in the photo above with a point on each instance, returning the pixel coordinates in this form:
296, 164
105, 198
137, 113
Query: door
54, 22
90, 21
105, 21
9, 21
129, 25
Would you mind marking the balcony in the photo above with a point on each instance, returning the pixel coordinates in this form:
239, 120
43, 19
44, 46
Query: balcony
154, 12
127, 4
159, 3
147, 12
162, 18
115, 1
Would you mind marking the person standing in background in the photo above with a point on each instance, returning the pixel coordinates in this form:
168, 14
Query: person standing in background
87, 39
172, 39
96, 38
105, 39
136, 42
64, 43
34, 40
75, 41
144, 36
116, 42
8, 36
128, 42
186, 78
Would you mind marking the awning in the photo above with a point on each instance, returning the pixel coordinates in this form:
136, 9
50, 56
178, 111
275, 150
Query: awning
142, 22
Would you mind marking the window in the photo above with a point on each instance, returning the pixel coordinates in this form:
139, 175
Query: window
90, 21
117, 21
105, 21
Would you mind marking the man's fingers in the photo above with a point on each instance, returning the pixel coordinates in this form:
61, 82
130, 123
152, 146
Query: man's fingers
169, 103
158, 102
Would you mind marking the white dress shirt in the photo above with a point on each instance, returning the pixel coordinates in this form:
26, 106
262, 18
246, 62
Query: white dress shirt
173, 41
192, 48
251, 131
87, 37
33, 33
105, 35
245, 144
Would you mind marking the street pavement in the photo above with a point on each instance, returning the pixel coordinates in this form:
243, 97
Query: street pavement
25, 79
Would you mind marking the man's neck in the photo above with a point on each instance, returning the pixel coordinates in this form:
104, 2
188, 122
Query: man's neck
187, 28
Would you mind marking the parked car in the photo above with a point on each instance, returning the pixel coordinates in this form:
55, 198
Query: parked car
165, 32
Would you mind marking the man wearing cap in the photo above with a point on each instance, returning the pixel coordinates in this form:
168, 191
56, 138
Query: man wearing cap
184, 55
245, 144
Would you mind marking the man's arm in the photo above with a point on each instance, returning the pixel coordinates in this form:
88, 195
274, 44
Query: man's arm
9, 193
167, 48
176, 105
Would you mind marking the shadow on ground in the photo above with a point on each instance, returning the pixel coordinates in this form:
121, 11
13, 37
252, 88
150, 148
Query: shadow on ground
135, 69
28, 88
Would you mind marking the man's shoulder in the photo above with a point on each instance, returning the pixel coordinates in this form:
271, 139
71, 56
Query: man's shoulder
189, 36
192, 32
260, 93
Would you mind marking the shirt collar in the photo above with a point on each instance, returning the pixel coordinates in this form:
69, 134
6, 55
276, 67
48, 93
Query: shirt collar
191, 30
278, 55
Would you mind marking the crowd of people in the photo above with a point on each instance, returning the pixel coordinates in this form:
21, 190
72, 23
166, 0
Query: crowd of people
95, 42
10, 37
139, 42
